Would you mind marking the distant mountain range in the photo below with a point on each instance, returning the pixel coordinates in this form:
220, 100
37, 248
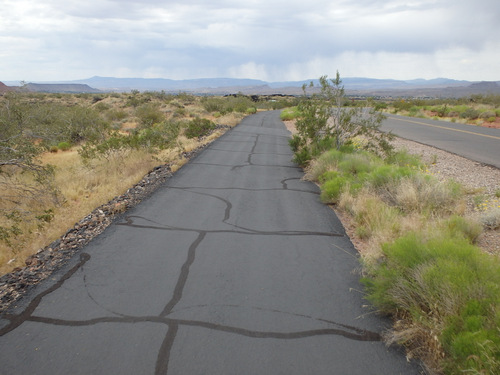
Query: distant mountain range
439, 87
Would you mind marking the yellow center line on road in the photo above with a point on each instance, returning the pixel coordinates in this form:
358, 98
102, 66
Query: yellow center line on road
447, 128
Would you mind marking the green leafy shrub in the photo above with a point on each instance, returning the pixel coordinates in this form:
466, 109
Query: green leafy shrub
295, 143
302, 157
199, 127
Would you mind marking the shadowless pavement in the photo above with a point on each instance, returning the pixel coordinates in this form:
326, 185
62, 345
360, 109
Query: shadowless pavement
231, 267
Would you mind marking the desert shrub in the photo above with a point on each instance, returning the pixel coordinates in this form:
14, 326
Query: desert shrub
356, 163
149, 114
64, 146
404, 159
458, 226
323, 144
443, 111
302, 157
199, 127
389, 174
295, 143
470, 113
379, 106
332, 189
402, 105
116, 115
372, 215
425, 194
102, 107
213, 104
153, 139
239, 103
326, 162
289, 114
414, 111
442, 280
491, 218
487, 115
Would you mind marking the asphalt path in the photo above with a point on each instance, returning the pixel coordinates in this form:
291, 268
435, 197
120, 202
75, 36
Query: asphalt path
472, 142
232, 267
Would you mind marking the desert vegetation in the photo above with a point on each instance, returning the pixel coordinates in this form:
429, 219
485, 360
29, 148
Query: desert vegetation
63, 155
420, 262
483, 110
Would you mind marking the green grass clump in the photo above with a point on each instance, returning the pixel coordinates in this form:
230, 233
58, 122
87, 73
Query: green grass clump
459, 227
64, 146
289, 114
443, 280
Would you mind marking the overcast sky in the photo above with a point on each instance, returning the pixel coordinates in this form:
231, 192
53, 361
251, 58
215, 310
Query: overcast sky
272, 40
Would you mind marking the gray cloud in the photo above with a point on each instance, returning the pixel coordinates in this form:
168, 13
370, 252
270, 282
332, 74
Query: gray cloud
274, 40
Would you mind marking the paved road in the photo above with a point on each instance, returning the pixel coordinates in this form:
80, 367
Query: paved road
232, 267
472, 142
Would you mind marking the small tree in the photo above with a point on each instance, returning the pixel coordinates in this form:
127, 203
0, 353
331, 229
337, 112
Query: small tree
326, 120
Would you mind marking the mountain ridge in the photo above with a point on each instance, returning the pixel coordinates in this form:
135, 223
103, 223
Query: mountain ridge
436, 87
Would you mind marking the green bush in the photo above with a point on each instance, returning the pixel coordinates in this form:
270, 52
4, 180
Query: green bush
289, 114
405, 159
302, 157
487, 114
443, 279
332, 189
213, 104
116, 115
458, 226
389, 174
199, 127
149, 114
356, 163
295, 143
470, 113
64, 146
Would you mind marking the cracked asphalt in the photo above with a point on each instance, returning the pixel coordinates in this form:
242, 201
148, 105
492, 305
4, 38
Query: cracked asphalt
233, 266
